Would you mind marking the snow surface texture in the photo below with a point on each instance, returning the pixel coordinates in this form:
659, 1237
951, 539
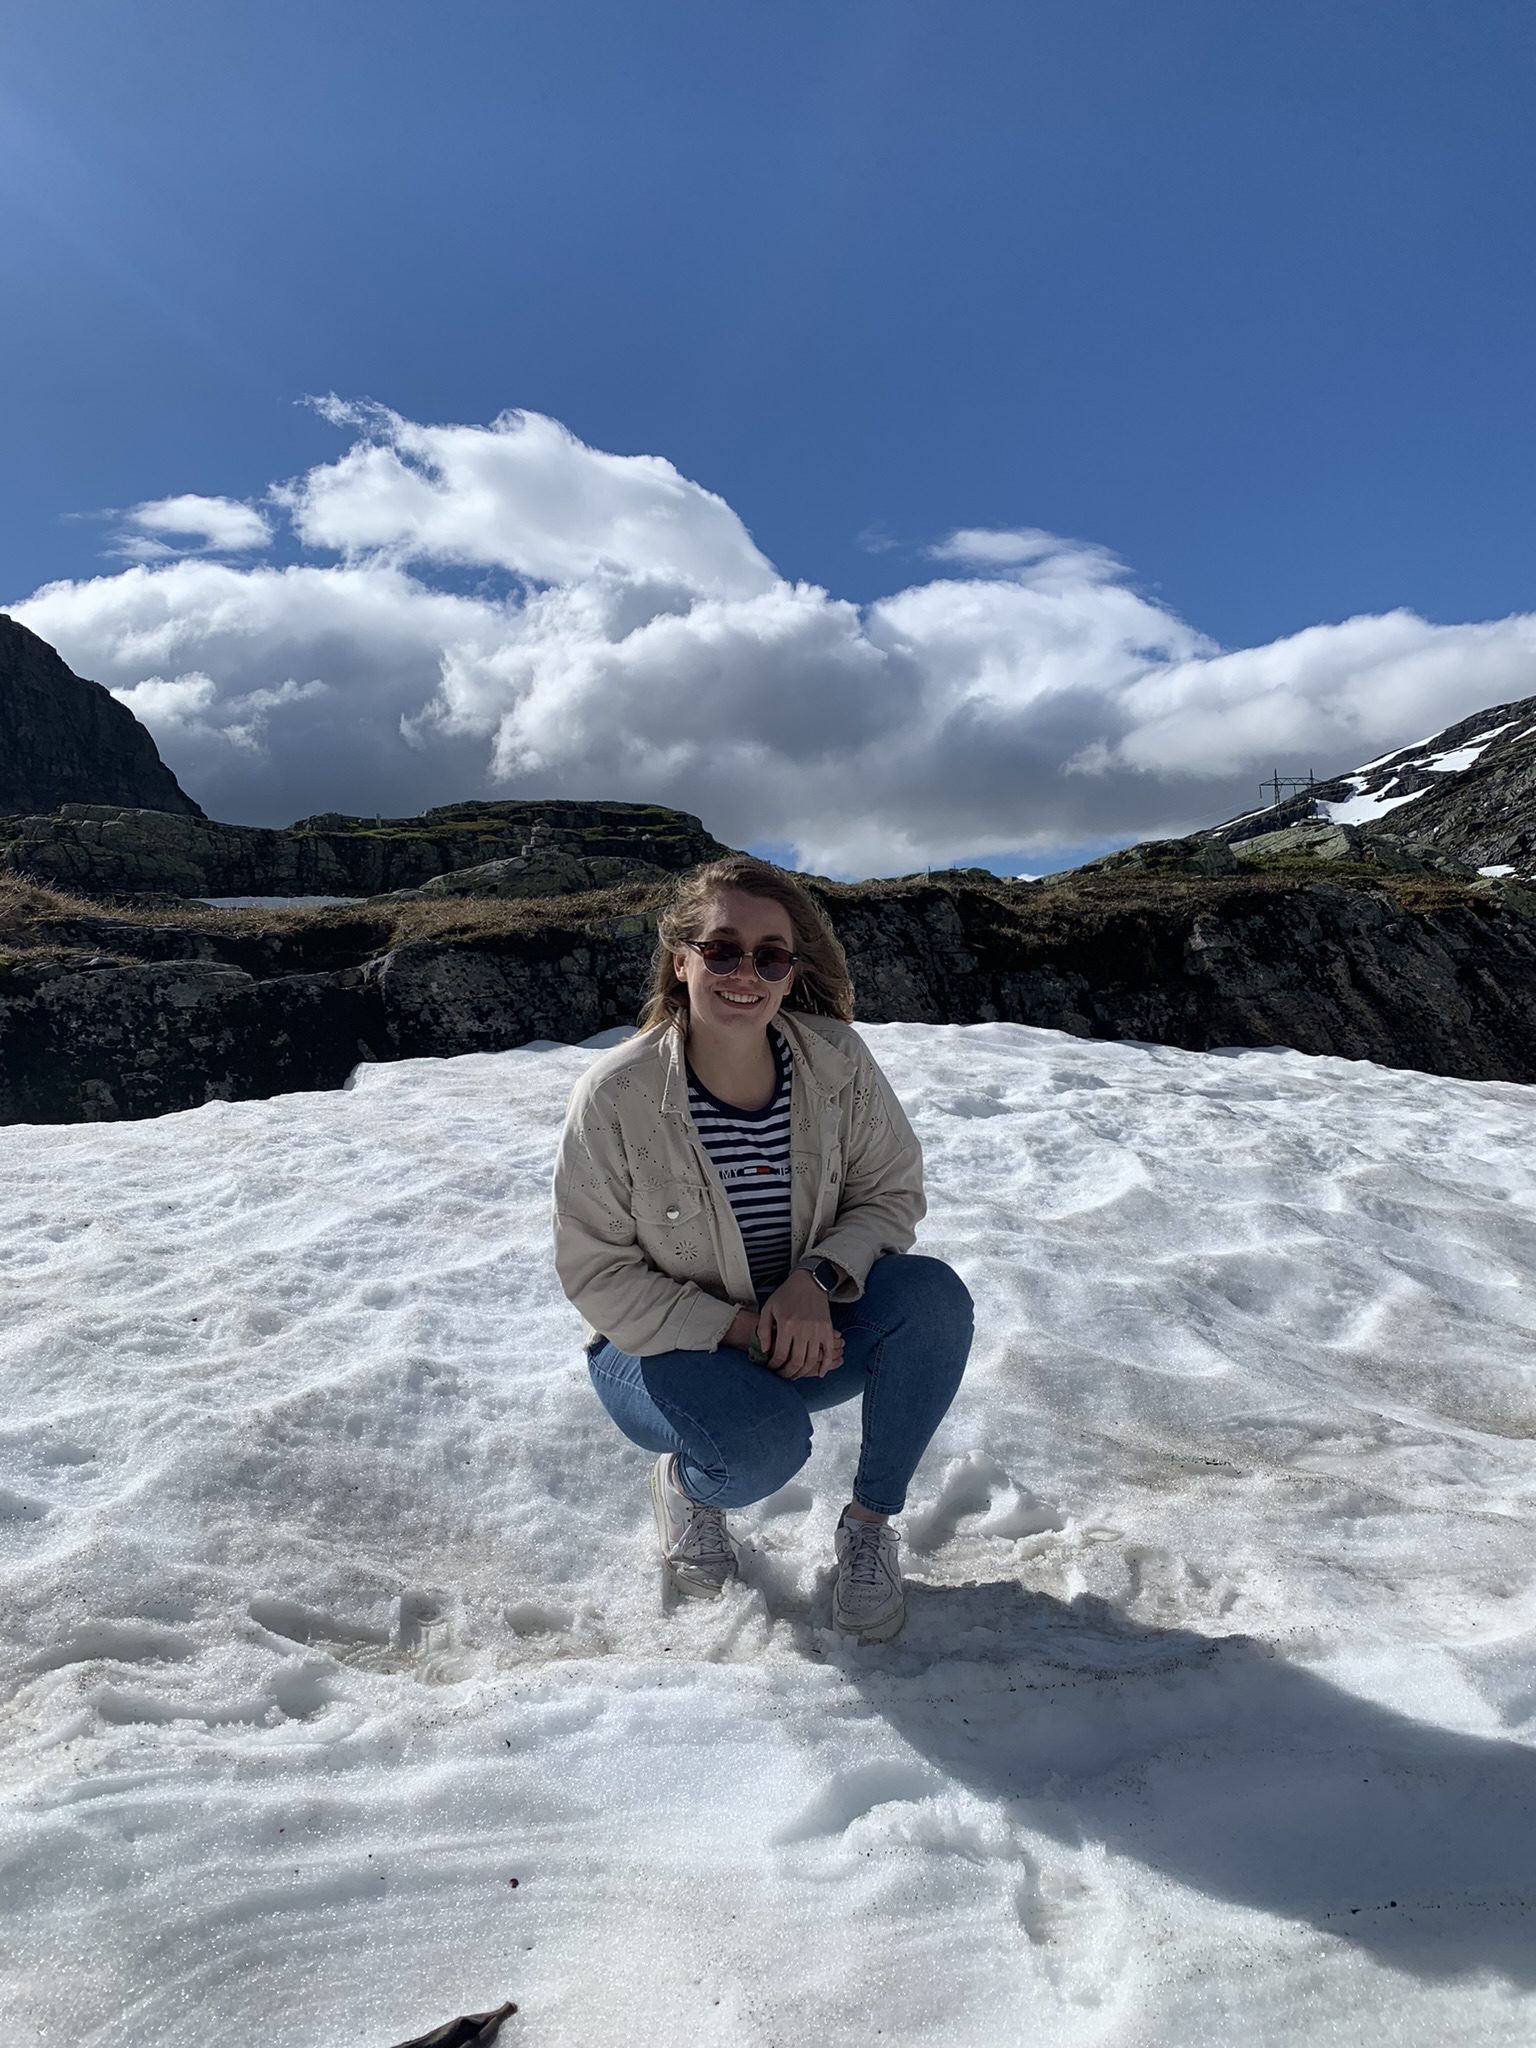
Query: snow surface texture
332, 1608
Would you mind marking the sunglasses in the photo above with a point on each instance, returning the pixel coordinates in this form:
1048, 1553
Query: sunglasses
724, 956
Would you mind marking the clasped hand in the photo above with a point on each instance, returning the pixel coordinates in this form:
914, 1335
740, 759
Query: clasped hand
794, 1328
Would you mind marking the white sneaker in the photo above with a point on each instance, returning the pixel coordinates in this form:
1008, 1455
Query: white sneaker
695, 1545
867, 1600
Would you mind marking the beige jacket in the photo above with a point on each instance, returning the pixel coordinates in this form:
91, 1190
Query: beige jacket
646, 1245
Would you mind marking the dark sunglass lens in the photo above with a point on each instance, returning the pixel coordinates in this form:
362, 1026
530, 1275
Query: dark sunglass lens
772, 962
720, 956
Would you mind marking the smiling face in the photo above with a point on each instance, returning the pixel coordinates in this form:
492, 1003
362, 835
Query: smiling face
730, 1008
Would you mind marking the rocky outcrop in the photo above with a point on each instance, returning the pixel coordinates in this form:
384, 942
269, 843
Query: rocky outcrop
1317, 843
65, 740
540, 873
1325, 967
1310, 843
103, 850
1316, 840
1193, 856
138, 1019
100, 1044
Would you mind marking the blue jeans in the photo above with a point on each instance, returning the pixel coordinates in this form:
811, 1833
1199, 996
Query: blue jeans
741, 1431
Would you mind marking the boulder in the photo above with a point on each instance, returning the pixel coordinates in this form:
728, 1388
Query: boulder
1317, 840
1193, 856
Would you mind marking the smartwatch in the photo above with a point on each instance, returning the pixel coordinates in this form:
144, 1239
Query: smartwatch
822, 1271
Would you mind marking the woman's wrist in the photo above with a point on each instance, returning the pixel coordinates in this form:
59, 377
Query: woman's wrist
810, 1265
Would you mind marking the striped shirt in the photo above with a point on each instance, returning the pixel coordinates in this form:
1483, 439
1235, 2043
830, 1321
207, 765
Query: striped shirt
750, 1151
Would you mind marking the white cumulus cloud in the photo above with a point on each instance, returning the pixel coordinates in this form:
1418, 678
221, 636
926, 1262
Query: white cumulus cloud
628, 639
162, 528
523, 495
1029, 552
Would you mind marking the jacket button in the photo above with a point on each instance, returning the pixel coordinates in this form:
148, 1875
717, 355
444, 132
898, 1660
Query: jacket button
673, 1214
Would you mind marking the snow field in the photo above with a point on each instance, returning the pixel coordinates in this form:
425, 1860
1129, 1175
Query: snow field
1214, 1717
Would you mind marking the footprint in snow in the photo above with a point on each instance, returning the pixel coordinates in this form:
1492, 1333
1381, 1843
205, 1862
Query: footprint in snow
852, 1794
299, 1624
978, 1490
112, 1642
295, 1693
538, 1618
66, 1453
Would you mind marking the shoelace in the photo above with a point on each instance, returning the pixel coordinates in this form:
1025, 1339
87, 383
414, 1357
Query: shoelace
866, 1554
703, 1540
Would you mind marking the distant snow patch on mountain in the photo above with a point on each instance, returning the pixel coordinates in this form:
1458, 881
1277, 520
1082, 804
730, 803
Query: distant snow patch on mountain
1365, 806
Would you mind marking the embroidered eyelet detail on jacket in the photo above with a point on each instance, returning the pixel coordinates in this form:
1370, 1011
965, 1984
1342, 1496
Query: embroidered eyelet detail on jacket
665, 1202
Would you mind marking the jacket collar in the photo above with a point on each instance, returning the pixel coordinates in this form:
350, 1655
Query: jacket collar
830, 1070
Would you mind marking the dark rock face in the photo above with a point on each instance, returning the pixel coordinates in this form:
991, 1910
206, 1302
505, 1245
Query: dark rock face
111, 1042
102, 850
1326, 967
65, 740
1323, 967
186, 1018
566, 982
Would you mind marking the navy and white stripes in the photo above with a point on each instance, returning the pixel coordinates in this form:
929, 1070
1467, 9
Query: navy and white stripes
750, 1150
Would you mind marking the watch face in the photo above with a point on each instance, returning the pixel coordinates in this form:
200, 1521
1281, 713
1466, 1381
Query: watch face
826, 1274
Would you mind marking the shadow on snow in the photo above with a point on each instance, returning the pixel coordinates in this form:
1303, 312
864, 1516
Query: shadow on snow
1213, 1761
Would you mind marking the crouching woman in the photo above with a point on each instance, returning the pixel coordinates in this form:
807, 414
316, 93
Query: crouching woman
735, 1195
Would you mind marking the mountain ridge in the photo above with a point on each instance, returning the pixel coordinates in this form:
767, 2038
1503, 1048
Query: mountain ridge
1468, 792
64, 739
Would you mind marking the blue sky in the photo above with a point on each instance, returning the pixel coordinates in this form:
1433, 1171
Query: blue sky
1241, 296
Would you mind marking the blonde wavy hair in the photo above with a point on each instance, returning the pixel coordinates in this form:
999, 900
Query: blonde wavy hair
821, 984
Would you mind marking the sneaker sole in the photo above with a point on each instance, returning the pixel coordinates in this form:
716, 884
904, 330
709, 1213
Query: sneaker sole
687, 1589
878, 1632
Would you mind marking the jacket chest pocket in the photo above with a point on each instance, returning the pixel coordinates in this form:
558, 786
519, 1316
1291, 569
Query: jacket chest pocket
672, 1225
663, 1204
